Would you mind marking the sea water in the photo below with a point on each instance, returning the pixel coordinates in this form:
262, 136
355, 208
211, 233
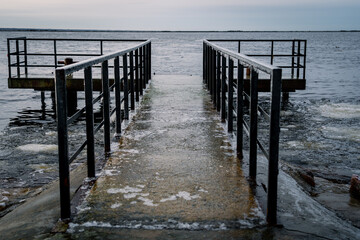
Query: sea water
320, 127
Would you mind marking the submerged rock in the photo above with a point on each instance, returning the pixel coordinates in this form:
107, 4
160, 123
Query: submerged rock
355, 187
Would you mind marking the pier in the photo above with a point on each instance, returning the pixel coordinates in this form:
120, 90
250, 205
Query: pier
180, 156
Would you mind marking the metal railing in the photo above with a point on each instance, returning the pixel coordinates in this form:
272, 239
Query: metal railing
295, 58
20, 55
224, 76
136, 72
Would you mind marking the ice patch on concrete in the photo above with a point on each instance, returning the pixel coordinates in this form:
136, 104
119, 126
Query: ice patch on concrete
340, 110
148, 202
116, 205
182, 194
111, 172
126, 189
38, 148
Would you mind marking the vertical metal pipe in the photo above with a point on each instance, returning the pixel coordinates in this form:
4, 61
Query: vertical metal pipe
203, 62
89, 122
218, 81
213, 73
272, 53
9, 57
137, 78
141, 74
150, 60
230, 95
55, 54
274, 146
25, 57
61, 114
305, 43
17, 58
101, 48
292, 59
126, 87
298, 60
106, 103
253, 123
240, 111
239, 46
211, 76
223, 89
132, 88
117, 96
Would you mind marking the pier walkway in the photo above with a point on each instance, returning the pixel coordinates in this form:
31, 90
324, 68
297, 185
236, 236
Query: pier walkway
174, 175
173, 169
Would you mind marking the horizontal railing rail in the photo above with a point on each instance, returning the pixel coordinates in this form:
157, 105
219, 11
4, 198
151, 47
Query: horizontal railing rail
134, 74
223, 73
19, 55
296, 54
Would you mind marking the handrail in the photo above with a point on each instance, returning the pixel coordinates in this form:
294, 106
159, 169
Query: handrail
133, 81
297, 53
22, 66
218, 74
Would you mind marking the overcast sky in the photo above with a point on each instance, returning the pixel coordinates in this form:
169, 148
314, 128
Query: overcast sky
182, 14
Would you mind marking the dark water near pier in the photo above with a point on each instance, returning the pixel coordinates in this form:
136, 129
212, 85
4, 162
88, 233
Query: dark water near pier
320, 126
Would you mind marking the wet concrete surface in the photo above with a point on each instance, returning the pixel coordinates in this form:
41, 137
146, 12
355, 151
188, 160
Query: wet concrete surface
174, 175
174, 169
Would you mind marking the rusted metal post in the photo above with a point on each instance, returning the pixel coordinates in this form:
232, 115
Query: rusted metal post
253, 123
274, 147
223, 90
230, 96
61, 113
89, 122
106, 104
240, 111
117, 96
126, 87
132, 88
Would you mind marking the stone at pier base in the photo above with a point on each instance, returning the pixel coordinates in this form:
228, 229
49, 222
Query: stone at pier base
355, 187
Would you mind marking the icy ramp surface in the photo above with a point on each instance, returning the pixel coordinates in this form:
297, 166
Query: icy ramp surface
174, 168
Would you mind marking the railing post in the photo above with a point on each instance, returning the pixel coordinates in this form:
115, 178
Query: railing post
292, 59
137, 79
240, 111
204, 57
89, 122
218, 80
272, 53
230, 95
117, 96
223, 89
55, 54
213, 73
9, 57
298, 60
132, 89
126, 87
274, 146
145, 66
305, 43
149, 60
253, 123
211, 77
25, 57
106, 104
61, 108
141, 74
18, 58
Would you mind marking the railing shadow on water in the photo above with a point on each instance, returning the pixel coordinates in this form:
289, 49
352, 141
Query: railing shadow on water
223, 73
128, 86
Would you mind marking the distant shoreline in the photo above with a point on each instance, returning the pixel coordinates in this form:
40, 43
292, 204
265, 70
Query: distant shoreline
156, 31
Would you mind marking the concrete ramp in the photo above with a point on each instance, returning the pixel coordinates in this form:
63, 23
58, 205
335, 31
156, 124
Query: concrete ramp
173, 169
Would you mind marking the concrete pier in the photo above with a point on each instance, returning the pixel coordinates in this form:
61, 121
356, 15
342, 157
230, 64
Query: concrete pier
175, 175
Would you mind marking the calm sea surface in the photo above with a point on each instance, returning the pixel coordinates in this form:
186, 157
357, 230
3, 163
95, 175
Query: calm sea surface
320, 126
